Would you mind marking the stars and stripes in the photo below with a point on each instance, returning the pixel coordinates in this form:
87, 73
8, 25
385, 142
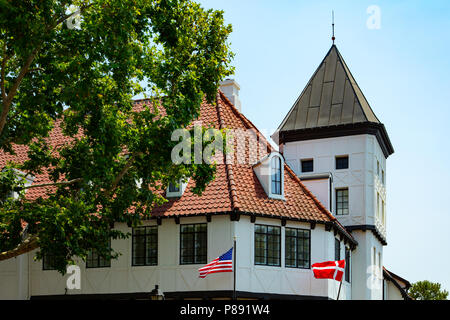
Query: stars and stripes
329, 270
224, 263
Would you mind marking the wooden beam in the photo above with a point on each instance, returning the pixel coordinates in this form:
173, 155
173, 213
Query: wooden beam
235, 216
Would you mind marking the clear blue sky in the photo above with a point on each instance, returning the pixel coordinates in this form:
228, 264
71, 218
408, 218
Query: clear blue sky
403, 68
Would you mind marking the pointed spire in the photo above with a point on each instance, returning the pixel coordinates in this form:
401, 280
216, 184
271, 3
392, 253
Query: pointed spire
331, 99
332, 26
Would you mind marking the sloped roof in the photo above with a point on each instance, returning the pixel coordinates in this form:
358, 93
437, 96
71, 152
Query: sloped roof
402, 284
331, 105
331, 97
236, 187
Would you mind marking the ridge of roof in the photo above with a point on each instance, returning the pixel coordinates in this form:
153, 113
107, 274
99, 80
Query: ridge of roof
356, 88
228, 168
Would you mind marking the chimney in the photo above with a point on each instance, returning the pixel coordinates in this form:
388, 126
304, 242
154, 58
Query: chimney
230, 89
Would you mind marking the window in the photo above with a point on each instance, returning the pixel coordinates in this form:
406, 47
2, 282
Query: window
337, 250
267, 245
276, 176
174, 187
378, 205
382, 176
379, 264
383, 214
342, 201
374, 259
307, 165
297, 248
145, 246
193, 243
378, 168
48, 262
347, 264
342, 162
95, 260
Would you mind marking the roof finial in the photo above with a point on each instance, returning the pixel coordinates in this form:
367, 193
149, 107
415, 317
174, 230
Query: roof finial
332, 25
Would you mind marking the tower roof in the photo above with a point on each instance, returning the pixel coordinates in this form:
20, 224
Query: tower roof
332, 100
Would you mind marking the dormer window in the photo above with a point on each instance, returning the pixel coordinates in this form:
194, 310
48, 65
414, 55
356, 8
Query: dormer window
276, 175
176, 189
270, 172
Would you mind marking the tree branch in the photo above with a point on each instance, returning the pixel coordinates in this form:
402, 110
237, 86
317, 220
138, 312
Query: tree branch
12, 92
8, 98
25, 246
122, 173
2, 80
62, 183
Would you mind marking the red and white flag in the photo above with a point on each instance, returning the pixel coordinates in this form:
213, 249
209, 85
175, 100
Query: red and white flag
224, 263
329, 270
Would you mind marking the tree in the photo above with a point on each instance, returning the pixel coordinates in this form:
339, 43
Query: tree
426, 290
78, 71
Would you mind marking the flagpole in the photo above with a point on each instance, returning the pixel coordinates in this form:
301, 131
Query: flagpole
234, 268
339, 291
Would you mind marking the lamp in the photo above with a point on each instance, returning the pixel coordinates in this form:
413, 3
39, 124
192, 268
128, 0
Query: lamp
157, 294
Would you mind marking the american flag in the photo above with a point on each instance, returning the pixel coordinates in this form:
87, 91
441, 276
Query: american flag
224, 263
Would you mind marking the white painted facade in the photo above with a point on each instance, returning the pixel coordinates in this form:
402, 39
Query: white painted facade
22, 277
365, 179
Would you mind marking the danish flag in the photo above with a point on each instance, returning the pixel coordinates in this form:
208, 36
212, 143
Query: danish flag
329, 270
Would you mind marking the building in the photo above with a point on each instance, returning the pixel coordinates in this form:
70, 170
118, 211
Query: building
312, 201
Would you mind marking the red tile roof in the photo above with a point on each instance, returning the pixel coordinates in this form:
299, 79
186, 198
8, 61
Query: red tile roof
236, 187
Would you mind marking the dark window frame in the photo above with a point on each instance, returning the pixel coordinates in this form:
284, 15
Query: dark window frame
46, 265
307, 161
153, 258
101, 261
337, 249
266, 246
340, 204
196, 258
174, 187
276, 179
348, 259
338, 164
296, 237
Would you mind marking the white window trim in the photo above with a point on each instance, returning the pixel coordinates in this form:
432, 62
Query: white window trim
273, 195
177, 194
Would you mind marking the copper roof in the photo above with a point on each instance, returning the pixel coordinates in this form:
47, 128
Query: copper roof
331, 97
331, 104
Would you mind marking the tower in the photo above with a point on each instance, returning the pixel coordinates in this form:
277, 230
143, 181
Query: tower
335, 143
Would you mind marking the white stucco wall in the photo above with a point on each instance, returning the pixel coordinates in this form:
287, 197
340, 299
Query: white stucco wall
360, 178
121, 277
321, 189
363, 183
